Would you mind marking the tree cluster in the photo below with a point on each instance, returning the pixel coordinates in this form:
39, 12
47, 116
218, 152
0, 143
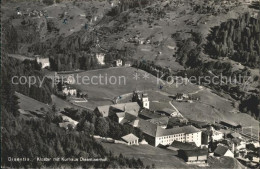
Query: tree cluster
15, 68
105, 127
237, 39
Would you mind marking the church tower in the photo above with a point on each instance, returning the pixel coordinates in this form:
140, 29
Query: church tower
141, 99
145, 101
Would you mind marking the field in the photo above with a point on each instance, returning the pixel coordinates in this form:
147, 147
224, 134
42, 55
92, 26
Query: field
27, 103
102, 92
30, 107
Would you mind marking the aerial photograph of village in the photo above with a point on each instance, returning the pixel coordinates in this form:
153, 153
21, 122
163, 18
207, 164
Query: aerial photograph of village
154, 84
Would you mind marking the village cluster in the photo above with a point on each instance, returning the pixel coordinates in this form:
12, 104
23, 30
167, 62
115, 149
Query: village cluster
194, 141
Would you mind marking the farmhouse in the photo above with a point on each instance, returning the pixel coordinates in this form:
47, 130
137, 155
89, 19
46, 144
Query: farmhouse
69, 79
125, 117
128, 64
222, 150
44, 62
67, 121
181, 97
100, 58
69, 91
118, 63
130, 139
156, 135
66, 125
194, 156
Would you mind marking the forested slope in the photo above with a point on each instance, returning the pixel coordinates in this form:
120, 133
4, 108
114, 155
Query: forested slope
237, 39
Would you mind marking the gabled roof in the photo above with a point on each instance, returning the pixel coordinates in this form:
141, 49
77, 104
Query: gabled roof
159, 121
148, 127
221, 150
120, 114
235, 135
195, 152
183, 146
149, 114
104, 110
129, 137
229, 122
132, 106
134, 122
168, 111
128, 118
65, 124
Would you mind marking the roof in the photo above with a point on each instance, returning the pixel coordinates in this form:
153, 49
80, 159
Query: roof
132, 107
183, 146
120, 114
168, 111
177, 130
135, 122
104, 110
65, 124
235, 135
128, 118
156, 131
68, 119
159, 121
148, 127
129, 137
149, 114
236, 140
229, 122
195, 152
221, 150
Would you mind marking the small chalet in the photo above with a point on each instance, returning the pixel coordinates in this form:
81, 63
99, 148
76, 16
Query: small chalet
100, 58
182, 97
69, 91
67, 121
43, 61
128, 64
130, 139
118, 63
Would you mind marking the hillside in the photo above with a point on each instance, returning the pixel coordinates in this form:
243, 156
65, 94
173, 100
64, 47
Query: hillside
188, 37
